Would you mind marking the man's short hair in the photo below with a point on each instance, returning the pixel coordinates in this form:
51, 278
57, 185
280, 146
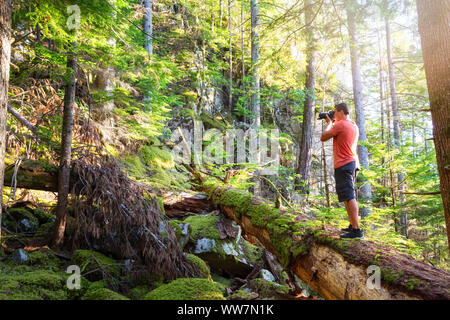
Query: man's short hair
343, 107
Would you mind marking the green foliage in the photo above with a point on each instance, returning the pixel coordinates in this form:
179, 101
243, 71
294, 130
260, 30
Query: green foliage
187, 289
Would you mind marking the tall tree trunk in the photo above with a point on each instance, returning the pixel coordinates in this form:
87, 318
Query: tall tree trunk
66, 149
230, 96
148, 25
243, 54
434, 28
305, 154
395, 114
363, 154
148, 29
5, 56
380, 71
255, 99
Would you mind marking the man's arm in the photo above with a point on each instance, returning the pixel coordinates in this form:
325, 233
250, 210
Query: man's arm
327, 134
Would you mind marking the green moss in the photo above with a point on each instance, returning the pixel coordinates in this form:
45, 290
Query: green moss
390, 275
200, 264
211, 122
103, 294
241, 295
412, 283
135, 166
252, 252
45, 230
138, 293
44, 259
299, 250
33, 285
187, 289
17, 214
267, 289
202, 227
89, 261
42, 216
222, 282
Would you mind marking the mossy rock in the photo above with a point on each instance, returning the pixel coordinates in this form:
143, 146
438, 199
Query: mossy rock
200, 264
89, 261
268, 289
14, 216
202, 226
187, 289
243, 295
103, 294
44, 259
34, 285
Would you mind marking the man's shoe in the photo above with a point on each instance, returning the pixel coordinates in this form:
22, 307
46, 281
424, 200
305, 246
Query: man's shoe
355, 233
347, 229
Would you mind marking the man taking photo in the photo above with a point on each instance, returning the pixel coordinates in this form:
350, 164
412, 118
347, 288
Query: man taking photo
345, 135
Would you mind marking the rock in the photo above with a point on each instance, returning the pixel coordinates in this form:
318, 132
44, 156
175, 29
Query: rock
187, 289
229, 254
181, 231
27, 226
268, 289
267, 275
128, 264
204, 245
20, 256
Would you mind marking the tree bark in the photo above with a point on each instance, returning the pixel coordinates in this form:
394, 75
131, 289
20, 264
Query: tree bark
5, 56
66, 149
255, 99
148, 25
230, 95
434, 28
335, 268
363, 154
305, 154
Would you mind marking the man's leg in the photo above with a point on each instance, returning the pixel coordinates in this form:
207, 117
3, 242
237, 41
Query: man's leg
352, 210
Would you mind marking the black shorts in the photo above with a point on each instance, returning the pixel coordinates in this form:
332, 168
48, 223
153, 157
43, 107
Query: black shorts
345, 177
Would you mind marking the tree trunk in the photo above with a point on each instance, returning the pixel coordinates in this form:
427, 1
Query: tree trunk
148, 29
66, 148
305, 154
255, 99
434, 28
5, 56
363, 154
395, 114
148, 26
381, 82
334, 268
230, 96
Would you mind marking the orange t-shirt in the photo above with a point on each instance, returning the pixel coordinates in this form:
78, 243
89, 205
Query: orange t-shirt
345, 141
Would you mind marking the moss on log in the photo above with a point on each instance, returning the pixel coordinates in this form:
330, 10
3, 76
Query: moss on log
33, 174
335, 268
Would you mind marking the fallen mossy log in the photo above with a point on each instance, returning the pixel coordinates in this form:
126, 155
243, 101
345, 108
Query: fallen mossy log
334, 267
33, 174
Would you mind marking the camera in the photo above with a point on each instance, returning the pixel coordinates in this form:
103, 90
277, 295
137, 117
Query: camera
323, 115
